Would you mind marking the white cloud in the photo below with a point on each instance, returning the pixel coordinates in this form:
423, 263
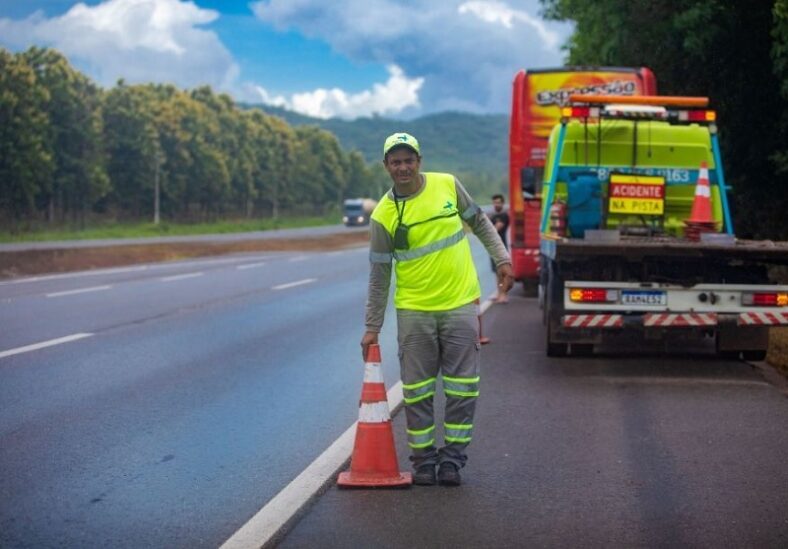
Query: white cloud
466, 52
498, 12
397, 94
138, 40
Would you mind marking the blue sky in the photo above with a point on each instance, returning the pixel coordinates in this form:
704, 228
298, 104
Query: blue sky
346, 58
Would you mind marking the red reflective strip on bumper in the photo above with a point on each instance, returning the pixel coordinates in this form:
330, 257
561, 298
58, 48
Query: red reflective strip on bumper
593, 321
763, 319
680, 319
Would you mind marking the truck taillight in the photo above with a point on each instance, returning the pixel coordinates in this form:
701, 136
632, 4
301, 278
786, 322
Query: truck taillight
580, 112
593, 295
697, 116
765, 299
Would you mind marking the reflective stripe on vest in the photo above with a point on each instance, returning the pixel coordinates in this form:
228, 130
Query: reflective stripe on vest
405, 255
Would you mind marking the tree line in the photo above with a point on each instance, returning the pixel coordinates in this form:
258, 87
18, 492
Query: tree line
736, 53
71, 151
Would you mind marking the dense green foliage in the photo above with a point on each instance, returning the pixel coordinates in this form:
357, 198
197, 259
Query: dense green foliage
70, 151
734, 52
473, 147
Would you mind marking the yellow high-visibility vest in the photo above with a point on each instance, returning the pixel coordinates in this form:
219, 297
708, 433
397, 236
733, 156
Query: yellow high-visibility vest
436, 271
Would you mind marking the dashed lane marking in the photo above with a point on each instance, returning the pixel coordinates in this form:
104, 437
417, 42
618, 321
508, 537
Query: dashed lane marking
75, 275
180, 277
293, 284
43, 344
120, 270
250, 265
79, 291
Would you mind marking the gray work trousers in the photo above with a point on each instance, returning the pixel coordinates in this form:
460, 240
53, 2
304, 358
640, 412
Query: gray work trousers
445, 343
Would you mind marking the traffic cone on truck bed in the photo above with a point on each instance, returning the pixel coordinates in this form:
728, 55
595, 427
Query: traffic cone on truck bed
374, 462
701, 219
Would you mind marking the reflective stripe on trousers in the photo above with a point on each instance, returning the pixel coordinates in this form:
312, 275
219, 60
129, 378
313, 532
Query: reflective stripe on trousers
421, 439
458, 433
420, 390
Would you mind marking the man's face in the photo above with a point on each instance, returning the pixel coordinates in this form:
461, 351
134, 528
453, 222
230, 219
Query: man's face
498, 204
403, 165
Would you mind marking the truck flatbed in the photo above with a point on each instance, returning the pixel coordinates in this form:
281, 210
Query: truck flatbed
634, 248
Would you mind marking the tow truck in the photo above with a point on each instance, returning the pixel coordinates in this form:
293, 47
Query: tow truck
620, 257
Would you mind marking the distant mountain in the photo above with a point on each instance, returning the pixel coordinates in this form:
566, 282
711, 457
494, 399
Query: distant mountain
460, 143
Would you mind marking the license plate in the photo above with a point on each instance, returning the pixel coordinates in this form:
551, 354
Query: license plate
644, 297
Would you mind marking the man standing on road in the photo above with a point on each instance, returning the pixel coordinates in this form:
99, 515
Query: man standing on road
419, 225
500, 220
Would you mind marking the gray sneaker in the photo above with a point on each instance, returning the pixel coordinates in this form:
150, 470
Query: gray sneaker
449, 474
425, 476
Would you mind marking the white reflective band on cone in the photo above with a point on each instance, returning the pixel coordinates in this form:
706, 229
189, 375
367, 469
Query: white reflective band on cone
374, 412
373, 373
703, 190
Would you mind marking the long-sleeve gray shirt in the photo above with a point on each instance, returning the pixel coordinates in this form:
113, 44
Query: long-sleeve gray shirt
381, 242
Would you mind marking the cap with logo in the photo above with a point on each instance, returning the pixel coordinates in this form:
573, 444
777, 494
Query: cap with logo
400, 139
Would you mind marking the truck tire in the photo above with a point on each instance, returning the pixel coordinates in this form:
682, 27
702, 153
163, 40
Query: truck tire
754, 355
582, 349
530, 288
555, 349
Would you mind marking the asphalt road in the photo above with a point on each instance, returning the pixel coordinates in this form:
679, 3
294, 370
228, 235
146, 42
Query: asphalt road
625, 449
199, 389
183, 398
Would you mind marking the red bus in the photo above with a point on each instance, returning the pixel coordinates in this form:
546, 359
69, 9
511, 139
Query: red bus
536, 100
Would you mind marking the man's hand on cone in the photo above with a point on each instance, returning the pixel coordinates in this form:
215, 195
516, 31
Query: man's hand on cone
368, 339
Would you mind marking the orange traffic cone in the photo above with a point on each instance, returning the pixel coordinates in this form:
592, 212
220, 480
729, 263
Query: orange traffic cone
701, 219
374, 461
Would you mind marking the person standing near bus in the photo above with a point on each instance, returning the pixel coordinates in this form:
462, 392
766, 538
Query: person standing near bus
500, 220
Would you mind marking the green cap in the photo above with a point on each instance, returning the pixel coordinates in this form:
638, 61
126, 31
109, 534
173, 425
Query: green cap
397, 139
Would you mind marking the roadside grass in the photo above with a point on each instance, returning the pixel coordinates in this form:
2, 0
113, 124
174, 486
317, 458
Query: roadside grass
141, 230
778, 349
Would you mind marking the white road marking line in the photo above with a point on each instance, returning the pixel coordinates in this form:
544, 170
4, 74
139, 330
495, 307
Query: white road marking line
217, 261
180, 277
298, 258
79, 291
43, 344
487, 303
269, 520
250, 265
292, 284
99, 272
75, 275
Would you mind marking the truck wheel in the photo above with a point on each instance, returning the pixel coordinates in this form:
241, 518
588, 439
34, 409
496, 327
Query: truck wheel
553, 348
530, 288
754, 354
582, 349
556, 349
